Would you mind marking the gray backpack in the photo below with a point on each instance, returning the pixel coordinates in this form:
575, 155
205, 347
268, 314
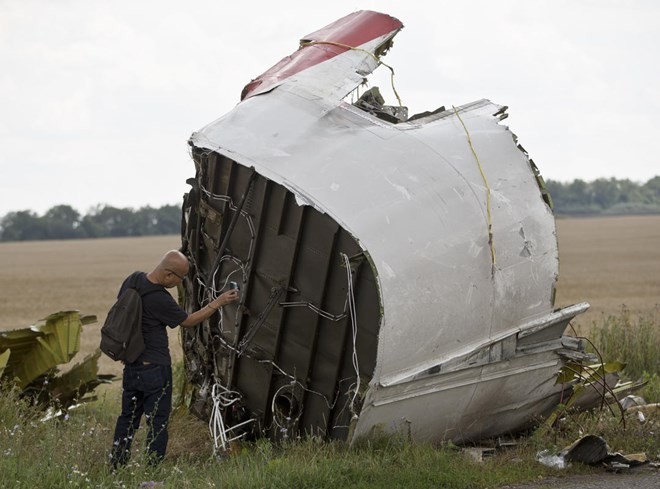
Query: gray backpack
121, 334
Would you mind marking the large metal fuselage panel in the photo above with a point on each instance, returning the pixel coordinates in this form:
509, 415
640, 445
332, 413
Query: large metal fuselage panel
287, 349
391, 271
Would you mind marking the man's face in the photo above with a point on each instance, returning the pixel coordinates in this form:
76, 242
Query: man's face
174, 277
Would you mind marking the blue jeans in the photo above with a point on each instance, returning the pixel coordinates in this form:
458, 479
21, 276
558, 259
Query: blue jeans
147, 389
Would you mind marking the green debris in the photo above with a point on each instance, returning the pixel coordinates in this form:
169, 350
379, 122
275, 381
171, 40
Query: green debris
4, 357
30, 357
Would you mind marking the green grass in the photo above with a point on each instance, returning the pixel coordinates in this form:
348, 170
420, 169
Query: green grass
73, 451
634, 340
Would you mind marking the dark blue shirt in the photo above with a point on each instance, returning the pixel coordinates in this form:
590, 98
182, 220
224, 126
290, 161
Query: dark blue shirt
159, 310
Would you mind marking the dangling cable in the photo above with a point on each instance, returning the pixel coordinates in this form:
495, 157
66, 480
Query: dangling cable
353, 315
378, 60
483, 176
222, 399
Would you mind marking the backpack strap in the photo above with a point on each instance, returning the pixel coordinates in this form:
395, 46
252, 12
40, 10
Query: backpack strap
133, 284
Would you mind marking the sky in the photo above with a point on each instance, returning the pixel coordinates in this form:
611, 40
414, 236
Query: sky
99, 97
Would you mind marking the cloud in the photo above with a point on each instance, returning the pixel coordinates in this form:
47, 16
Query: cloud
90, 90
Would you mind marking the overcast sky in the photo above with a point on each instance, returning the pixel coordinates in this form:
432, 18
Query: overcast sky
99, 97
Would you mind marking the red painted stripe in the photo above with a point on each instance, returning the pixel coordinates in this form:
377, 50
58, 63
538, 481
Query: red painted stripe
353, 30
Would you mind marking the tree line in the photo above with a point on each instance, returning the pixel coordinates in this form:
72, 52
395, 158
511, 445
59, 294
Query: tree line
605, 197
598, 197
64, 222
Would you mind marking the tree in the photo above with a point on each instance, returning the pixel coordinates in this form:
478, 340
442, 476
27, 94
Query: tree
606, 196
109, 221
169, 219
651, 190
63, 222
601, 196
22, 226
577, 192
605, 193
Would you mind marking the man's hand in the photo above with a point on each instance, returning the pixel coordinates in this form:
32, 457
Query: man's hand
225, 298
207, 311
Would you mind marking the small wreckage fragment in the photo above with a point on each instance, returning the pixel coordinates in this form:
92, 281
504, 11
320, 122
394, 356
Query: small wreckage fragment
591, 450
396, 274
29, 358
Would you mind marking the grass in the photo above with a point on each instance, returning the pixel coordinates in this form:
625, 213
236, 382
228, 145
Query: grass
604, 261
633, 339
73, 451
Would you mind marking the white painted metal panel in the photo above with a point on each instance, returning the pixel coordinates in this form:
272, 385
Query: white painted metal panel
420, 198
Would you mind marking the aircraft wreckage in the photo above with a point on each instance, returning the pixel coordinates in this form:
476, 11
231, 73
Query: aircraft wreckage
396, 273
30, 359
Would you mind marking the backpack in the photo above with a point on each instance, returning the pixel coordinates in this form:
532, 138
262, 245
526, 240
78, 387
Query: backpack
121, 334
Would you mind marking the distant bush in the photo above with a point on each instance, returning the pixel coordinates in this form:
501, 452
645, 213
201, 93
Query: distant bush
605, 196
637, 208
64, 222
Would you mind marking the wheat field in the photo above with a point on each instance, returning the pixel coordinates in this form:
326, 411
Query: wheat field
42, 277
608, 262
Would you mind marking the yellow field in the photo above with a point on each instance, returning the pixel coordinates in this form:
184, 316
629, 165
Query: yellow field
42, 277
609, 262
604, 261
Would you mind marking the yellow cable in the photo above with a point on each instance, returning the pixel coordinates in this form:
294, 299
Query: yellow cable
483, 176
346, 46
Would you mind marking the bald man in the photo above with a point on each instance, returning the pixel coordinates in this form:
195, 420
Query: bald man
147, 383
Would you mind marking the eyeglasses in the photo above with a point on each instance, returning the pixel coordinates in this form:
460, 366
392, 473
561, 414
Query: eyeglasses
173, 272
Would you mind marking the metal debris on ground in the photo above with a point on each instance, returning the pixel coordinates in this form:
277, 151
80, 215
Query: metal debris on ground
479, 453
591, 450
30, 357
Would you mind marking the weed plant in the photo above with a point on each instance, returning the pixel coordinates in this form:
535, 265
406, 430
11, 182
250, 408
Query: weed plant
635, 341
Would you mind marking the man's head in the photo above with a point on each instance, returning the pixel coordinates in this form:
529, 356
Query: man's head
171, 270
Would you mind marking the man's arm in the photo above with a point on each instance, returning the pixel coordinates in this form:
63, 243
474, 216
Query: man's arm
207, 311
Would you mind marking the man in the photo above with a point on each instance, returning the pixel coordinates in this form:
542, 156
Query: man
147, 382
